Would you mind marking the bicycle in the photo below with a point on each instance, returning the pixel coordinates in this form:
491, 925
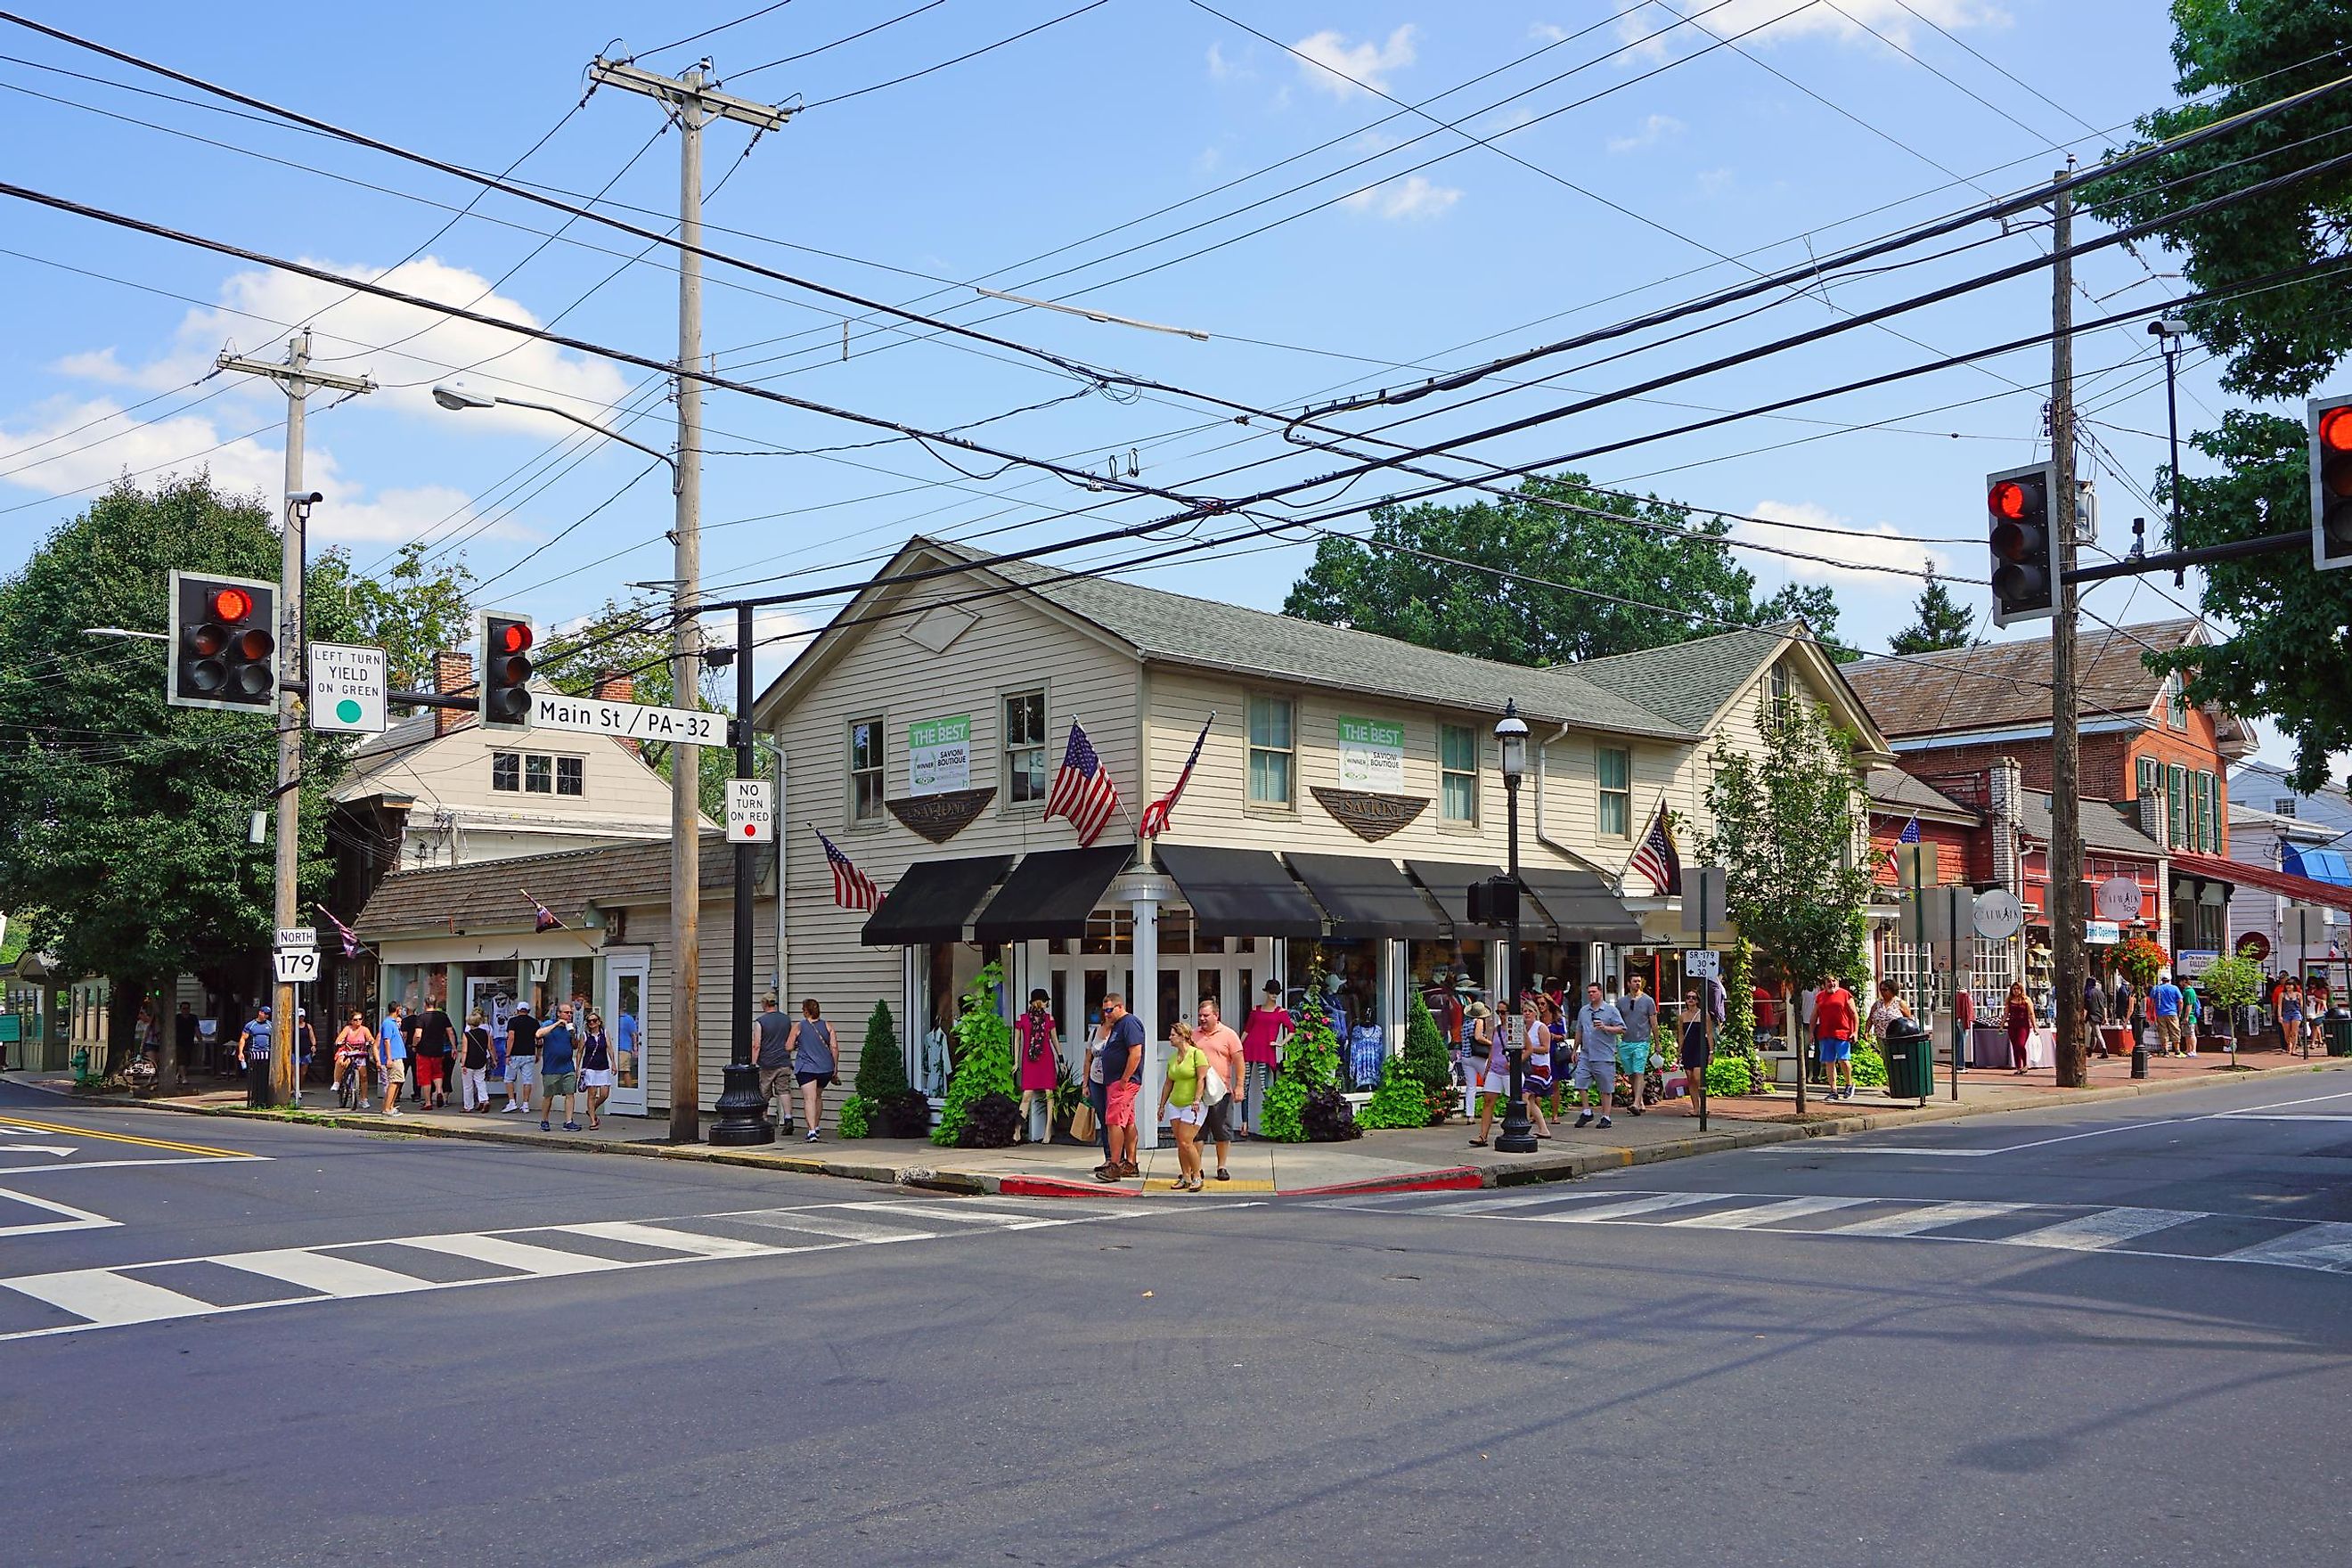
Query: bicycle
351, 1082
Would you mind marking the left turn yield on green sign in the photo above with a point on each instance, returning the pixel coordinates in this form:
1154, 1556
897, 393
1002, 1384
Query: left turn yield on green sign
347, 688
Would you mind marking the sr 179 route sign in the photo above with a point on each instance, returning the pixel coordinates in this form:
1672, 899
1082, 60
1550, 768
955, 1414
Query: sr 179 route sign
626, 721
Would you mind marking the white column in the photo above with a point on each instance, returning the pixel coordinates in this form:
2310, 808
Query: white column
1144, 893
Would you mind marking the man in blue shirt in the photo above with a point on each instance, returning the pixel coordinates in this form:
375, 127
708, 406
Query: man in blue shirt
392, 1059
253, 1055
1599, 1028
2164, 1005
557, 1074
1122, 1071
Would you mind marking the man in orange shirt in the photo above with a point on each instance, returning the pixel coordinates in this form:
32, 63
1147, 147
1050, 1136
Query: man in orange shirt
1223, 1049
1834, 1028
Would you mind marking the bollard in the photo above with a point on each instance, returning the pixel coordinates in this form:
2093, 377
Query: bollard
2139, 1060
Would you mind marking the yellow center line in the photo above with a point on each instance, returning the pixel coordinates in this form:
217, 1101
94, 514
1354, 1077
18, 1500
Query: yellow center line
22, 1124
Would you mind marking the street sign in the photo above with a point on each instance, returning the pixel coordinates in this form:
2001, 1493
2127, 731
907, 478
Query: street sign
2100, 934
1950, 912
751, 811
626, 721
1914, 865
1702, 963
295, 936
348, 681
296, 965
2000, 915
1703, 894
2118, 898
2191, 961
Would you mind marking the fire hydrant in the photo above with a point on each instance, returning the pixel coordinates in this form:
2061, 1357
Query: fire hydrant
80, 1064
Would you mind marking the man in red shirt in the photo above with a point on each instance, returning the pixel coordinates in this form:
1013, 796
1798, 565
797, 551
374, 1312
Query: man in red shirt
1834, 1027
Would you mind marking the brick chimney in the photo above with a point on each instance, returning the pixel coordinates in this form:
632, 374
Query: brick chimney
617, 686
453, 674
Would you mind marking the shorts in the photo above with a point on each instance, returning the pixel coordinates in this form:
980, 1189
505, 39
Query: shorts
1217, 1126
1596, 1068
771, 1081
822, 1079
1190, 1115
1835, 1048
1633, 1056
396, 1071
557, 1083
598, 1078
2168, 1030
428, 1071
1536, 1082
1119, 1104
521, 1070
1492, 1083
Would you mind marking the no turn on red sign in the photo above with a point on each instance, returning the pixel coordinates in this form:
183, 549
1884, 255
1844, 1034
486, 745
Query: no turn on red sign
751, 811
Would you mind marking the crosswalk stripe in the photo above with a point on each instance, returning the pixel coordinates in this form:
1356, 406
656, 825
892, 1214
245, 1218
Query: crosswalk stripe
1762, 1215
672, 1240
1654, 1203
1934, 1216
107, 1298
507, 1253
2096, 1231
323, 1272
966, 1213
2327, 1246
1519, 1201
839, 1227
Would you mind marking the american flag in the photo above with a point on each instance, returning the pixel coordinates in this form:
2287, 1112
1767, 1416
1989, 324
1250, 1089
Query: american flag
1155, 816
1657, 858
351, 945
1910, 835
541, 916
852, 889
1082, 789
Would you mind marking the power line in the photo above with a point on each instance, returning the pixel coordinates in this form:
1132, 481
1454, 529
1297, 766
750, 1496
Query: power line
851, 39
968, 55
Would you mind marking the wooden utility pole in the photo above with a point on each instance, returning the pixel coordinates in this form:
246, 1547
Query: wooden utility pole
2065, 738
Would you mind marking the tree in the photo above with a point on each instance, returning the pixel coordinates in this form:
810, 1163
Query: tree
1942, 624
2282, 337
629, 637
412, 612
1788, 820
1310, 1065
984, 1060
1637, 549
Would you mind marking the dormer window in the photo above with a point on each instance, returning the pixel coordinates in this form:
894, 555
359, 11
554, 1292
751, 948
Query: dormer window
2176, 702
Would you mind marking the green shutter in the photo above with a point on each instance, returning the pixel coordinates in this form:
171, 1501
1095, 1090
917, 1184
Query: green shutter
2176, 793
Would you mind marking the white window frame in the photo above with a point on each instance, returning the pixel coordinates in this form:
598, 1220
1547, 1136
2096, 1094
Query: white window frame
1602, 792
1447, 774
881, 770
1042, 746
1288, 750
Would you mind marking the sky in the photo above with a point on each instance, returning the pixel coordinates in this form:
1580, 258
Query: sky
1248, 172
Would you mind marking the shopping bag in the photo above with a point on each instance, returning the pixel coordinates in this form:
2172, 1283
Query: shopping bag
1082, 1122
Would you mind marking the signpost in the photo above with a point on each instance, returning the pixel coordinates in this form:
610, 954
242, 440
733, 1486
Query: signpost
295, 952
751, 811
348, 682
2118, 899
1702, 963
626, 721
1703, 890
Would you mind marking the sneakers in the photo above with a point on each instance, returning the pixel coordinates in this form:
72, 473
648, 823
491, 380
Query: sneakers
812, 1135
1225, 1175
1586, 1120
571, 1127
1605, 1122
511, 1106
395, 1111
544, 1126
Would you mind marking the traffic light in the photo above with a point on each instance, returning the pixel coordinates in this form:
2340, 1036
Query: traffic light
506, 667
2023, 538
2331, 482
224, 644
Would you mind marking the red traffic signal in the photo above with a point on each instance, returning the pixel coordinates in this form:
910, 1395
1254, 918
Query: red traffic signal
514, 637
2007, 499
224, 651
231, 605
2024, 574
2331, 482
505, 686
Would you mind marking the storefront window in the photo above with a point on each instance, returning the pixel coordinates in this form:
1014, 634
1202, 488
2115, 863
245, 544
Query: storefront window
1447, 965
1351, 995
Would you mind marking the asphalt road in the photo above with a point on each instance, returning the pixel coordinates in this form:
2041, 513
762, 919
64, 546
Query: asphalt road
2117, 1335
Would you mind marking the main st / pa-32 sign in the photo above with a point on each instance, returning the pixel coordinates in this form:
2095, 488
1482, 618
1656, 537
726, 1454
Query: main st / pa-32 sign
626, 721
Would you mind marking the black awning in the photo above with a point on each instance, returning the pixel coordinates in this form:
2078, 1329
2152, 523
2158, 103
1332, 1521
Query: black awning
932, 900
1581, 904
1240, 892
1051, 893
1366, 896
1448, 883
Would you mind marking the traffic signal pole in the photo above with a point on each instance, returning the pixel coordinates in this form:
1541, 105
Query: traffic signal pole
2065, 887
299, 379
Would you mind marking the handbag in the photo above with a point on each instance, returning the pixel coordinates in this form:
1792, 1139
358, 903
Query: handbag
1216, 1088
1082, 1122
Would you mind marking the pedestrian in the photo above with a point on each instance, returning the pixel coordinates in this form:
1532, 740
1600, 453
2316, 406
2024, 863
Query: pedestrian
1884, 1011
435, 1041
1261, 1037
1122, 1071
1694, 1054
772, 1051
1223, 1049
1548, 1005
596, 1075
1536, 1078
474, 1064
2017, 1015
817, 1060
253, 1055
1836, 1025
559, 1071
392, 1059
2123, 1012
1598, 1028
1037, 1059
2094, 1002
305, 1043
1097, 1100
522, 1059
354, 1045
627, 1036
2193, 1013
1183, 1102
2290, 1012
1486, 1077
2164, 1010
1640, 1011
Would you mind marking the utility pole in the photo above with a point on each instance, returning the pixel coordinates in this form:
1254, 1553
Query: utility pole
2065, 738
293, 668
691, 105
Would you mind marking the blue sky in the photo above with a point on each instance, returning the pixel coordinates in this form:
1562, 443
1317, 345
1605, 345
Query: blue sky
1820, 124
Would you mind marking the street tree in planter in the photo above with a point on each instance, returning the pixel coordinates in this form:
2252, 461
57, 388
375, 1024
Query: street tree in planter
887, 1107
979, 1111
2228, 987
1788, 824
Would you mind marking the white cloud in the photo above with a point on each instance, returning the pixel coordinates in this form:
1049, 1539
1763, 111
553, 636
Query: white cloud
1653, 129
1549, 32
1849, 22
1714, 182
1412, 197
1345, 70
1224, 69
1877, 544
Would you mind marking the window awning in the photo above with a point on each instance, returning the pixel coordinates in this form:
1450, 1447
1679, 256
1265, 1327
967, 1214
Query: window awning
1581, 904
2237, 873
1367, 896
1239, 892
933, 900
1448, 883
1051, 893
2319, 865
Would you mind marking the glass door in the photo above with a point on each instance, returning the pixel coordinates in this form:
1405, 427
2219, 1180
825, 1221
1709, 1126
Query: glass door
624, 1014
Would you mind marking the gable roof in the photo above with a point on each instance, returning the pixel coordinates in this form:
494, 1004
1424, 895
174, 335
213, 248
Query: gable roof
1995, 686
487, 895
1895, 790
2106, 826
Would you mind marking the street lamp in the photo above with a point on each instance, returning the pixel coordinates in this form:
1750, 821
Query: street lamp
2168, 331
1511, 735
457, 400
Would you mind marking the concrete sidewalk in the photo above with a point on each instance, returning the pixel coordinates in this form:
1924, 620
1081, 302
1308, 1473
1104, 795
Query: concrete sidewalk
1423, 1159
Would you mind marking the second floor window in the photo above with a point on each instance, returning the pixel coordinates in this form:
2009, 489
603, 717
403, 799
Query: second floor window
1781, 686
532, 772
1273, 751
1457, 760
1024, 749
865, 770
2176, 704
1614, 767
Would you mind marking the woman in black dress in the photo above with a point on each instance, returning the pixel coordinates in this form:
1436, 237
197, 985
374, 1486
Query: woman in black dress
1693, 1018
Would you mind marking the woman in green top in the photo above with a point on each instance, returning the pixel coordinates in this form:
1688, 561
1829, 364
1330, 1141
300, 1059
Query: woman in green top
1182, 1102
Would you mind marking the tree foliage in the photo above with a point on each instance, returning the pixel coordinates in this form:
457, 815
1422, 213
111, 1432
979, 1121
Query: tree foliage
414, 611
1787, 821
1942, 624
983, 1058
1611, 544
629, 637
1310, 1064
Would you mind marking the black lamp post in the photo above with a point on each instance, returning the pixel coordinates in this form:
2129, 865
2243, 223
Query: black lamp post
742, 1111
1511, 734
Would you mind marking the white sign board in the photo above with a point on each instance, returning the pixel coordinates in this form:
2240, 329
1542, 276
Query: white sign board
348, 681
2100, 934
295, 936
1372, 755
1703, 894
751, 811
2000, 915
939, 754
626, 721
295, 965
2118, 898
2191, 961
1702, 963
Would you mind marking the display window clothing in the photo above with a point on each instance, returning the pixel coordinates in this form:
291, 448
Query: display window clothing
1263, 1034
1034, 1052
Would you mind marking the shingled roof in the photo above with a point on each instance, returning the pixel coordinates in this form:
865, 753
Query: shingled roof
1689, 682
1996, 686
1894, 790
2106, 826
487, 895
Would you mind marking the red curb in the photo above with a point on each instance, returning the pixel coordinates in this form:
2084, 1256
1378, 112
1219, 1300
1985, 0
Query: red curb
1050, 1187
1459, 1179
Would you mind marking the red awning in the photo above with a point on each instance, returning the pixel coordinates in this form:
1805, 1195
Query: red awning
2303, 889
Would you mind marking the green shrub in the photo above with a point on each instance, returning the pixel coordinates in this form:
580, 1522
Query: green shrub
1737, 1033
1729, 1075
1311, 1061
854, 1120
881, 1065
1869, 1067
983, 1058
1400, 1100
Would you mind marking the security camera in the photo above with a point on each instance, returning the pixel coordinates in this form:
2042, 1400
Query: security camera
2167, 327
305, 498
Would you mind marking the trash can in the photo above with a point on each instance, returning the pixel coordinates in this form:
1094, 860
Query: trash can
1910, 1060
2336, 1027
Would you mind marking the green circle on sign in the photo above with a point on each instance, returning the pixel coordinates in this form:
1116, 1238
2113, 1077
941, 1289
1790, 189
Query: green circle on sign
348, 711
